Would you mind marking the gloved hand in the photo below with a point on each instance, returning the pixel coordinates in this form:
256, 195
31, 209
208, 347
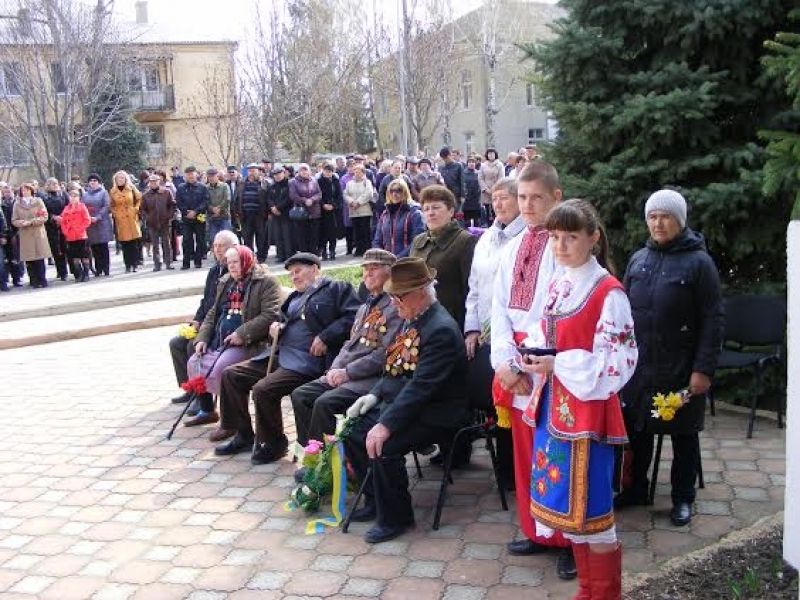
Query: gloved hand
362, 405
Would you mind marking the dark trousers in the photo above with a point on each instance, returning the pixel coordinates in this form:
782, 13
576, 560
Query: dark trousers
316, 405
13, 267
102, 260
254, 234
267, 396
173, 240
36, 272
180, 349
348, 238
160, 239
130, 253
327, 233
685, 462
389, 490
282, 235
472, 218
304, 241
361, 237
479, 384
194, 242
58, 248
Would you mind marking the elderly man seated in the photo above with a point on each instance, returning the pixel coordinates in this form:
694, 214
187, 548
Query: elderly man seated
318, 316
421, 399
360, 363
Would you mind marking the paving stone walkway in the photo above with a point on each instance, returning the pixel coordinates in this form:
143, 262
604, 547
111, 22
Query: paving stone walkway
95, 503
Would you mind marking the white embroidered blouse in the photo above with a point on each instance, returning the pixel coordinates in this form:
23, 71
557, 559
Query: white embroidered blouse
598, 374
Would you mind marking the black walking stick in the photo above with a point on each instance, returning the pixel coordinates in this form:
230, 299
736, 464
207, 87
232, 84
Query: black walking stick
194, 393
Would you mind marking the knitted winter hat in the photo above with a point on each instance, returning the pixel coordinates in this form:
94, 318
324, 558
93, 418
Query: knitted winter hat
668, 201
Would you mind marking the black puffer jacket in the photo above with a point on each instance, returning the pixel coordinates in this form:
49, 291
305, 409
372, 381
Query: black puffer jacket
674, 291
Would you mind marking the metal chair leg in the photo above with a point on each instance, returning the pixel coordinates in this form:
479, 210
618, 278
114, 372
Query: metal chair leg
496, 470
416, 462
446, 477
361, 490
700, 481
656, 462
754, 403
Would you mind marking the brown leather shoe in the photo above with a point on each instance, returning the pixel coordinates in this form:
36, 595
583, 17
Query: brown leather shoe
203, 418
220, 434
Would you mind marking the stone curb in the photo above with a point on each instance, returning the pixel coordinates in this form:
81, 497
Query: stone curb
631, 583
76, 334
101, 303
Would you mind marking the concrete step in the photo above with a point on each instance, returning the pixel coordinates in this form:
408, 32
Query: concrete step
18, 333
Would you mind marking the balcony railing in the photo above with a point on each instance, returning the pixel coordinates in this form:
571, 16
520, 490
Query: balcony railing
162, 100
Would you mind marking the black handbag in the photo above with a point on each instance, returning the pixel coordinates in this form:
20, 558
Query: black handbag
298, 213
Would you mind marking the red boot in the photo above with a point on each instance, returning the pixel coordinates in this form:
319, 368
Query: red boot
581, 554
605, 574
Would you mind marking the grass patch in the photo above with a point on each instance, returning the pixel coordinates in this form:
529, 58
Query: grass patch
351, 275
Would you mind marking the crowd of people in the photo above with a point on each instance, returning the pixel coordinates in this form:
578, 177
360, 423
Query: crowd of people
523, 318
159, 217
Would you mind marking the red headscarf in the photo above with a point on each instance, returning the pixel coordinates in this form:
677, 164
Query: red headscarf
247, 259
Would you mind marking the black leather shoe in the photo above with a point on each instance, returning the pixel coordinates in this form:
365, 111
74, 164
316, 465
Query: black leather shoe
236, 445
681, 514
525, 548
384, 533
565, 567
182, 399
364, 514
270, 451
300, 475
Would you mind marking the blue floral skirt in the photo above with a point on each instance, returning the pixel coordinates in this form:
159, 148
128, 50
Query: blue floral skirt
571, 480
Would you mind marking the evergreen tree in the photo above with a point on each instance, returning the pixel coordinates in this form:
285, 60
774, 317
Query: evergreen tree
654, 93
126, 151
782, 171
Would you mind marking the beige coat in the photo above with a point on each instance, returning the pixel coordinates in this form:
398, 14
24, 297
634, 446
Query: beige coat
490, 173
362, 194
33, 244
125, 209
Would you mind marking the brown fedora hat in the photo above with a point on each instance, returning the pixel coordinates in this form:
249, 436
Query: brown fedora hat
408, 274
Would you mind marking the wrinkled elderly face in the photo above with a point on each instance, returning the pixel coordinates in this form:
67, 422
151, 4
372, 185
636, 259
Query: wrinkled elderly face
663, 226
220, 248
303, 276
191, 176
234, 263
374, 277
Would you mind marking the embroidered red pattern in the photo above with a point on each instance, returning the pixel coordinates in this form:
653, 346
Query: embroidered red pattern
526, 268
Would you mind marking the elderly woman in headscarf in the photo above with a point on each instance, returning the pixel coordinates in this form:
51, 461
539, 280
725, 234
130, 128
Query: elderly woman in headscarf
248, 300
125, 201
306, 196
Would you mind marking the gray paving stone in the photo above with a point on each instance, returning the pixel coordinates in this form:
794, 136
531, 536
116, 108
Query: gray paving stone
751, 493
356, 586
268, 580
712, 507
331, 562
463, 592
425, 568
482, 551
522, 576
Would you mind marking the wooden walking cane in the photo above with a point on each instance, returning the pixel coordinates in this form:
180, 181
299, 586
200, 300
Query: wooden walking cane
194, 394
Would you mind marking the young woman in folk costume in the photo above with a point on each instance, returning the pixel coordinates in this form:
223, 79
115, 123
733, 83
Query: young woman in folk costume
574, 406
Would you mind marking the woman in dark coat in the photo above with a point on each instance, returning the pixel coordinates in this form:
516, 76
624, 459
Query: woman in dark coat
447, 248
55, 200
331, 202
101, 232
674, 290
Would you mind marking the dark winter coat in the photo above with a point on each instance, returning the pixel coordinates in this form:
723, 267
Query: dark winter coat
192, 196
472, 190
453, 176
157, 208
278, 197
209, 291
397, 228
99, 206
674, 291
301, 190
450, 252
331, 192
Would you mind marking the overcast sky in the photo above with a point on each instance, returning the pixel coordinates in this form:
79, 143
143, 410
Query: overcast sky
227, 18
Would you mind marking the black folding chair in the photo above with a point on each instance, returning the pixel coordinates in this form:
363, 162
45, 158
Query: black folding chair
755, 333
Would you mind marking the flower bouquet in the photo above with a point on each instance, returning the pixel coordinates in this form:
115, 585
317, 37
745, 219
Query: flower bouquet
201, 218
327, 472
187, 331
665, 407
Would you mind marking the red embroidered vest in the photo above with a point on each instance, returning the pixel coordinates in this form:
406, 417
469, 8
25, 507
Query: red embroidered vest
570, 418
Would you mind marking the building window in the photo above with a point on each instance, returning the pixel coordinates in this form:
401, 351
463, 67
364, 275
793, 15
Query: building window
469, 143
531, 95
9, 79
12, 153
156, 148
466, 90
144, 78
57, 78
535, 134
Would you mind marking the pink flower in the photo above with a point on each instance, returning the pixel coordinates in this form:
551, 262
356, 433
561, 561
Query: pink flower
313, 447
330, 439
